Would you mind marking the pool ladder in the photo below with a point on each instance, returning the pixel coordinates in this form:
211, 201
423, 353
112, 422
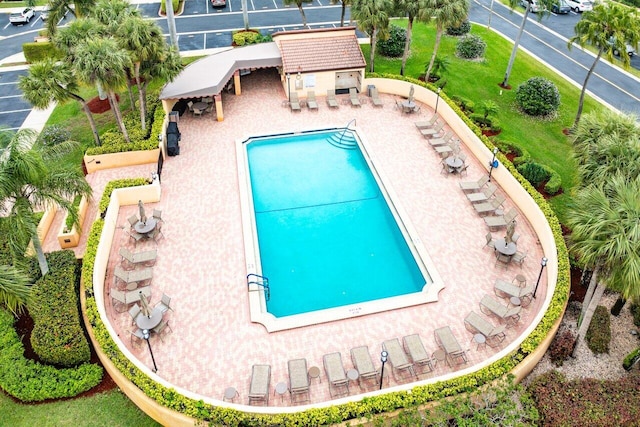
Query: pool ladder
347, 142
261, 281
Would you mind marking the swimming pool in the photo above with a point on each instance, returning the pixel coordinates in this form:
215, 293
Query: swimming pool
322, 226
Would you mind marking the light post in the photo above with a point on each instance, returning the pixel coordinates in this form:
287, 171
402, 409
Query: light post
383, 359
437, 98
543, 263
145, 335
494, 162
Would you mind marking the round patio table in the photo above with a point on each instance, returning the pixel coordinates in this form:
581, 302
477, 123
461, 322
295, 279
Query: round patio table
504, 248
145, 227
143, 322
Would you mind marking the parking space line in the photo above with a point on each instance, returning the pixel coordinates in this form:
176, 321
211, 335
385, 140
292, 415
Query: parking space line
6, 26
275, 4
9, 83
35, 22
15, 111
206, 5
10, 96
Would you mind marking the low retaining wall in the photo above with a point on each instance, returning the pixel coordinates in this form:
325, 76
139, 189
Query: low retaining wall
118, 160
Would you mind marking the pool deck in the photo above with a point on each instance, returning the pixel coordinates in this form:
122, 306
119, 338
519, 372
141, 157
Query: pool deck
201, 260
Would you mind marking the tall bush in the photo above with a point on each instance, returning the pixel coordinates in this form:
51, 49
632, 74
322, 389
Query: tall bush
471, 47
538, 97
460, 30
393, 47
599, 333
58, 337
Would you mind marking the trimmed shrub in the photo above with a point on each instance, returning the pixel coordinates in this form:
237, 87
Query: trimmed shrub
465, 104
538, 97
39, 51
393, 47
635, 312
486, 123
58, 337
598, 335
460, 30
471, 47
30, 381
534, 172
631, 359
561, 347
245, 37
163, 7
53, 135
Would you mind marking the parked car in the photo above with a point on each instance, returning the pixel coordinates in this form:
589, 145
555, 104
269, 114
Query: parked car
22, 17
218, 3
561, 7
628, 48
580, 5
535, 6
44, 14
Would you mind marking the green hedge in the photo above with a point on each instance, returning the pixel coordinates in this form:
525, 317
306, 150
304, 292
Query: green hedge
523, 161
369, 405
113, 141
39, 51
30, 381
163, 7
58, 337
598, 335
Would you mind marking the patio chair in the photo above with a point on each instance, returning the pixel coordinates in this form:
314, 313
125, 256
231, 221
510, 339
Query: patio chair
165, 303
474, 185
312, 103
463, 170
353, 97
335, 372
156, 233
490, 206
490, 306
136, 337
434, 142
298, 378
134, 312
397, 357
132, 278
413, 345
121, 299
429, 132
500, 221
294, 102
190, 105
361, 359
332, 102
162, 326
505, 289
450, 345
483, 195
375, 98
428, 123
443, 150
197, 112
133, 220
519, 257
491, 242
260, 380
503, 259
476, 324
147, 258
157, 215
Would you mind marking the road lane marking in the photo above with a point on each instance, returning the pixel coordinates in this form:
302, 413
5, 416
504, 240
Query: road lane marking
15, 111
10, 96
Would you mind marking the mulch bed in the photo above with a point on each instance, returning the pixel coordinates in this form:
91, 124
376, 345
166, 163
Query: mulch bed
24, 326
99, 106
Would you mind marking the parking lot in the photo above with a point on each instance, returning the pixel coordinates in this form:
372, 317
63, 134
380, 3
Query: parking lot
13, 108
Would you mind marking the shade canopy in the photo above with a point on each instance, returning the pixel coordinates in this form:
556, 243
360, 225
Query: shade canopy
208, 76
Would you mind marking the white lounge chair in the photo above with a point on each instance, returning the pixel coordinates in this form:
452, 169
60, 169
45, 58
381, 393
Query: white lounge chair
490, 306
141, 258
475, 185
362, 361
312, 104
397, 356
353, 97
294, 102
476, 324
332, 102
298, 378
449, 344
413, 345
335, 372
260, 380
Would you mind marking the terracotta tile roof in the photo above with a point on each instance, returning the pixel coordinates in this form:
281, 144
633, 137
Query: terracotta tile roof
321, 54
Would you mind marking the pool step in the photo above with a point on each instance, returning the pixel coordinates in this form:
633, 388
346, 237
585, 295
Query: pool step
344, 140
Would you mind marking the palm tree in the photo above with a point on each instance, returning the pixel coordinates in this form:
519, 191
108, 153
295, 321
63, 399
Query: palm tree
413, 9
53, 81
143, 40
58, 9
31, 177
101, 61
445, 13
344, 4
15, 288
299, 4
608, 27
605, 223
372, 17
166, 65
545, 5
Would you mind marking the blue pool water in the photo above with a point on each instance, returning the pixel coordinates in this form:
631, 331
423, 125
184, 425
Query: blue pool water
326, 235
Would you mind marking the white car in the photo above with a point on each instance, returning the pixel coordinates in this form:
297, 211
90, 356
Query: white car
22, 17
581, 5
535, 7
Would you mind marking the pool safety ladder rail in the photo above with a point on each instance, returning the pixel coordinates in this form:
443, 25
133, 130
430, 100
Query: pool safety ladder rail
347, 142
261, 281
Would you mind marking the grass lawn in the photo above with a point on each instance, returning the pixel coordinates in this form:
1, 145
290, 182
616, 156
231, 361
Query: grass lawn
111, 408
478, 81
